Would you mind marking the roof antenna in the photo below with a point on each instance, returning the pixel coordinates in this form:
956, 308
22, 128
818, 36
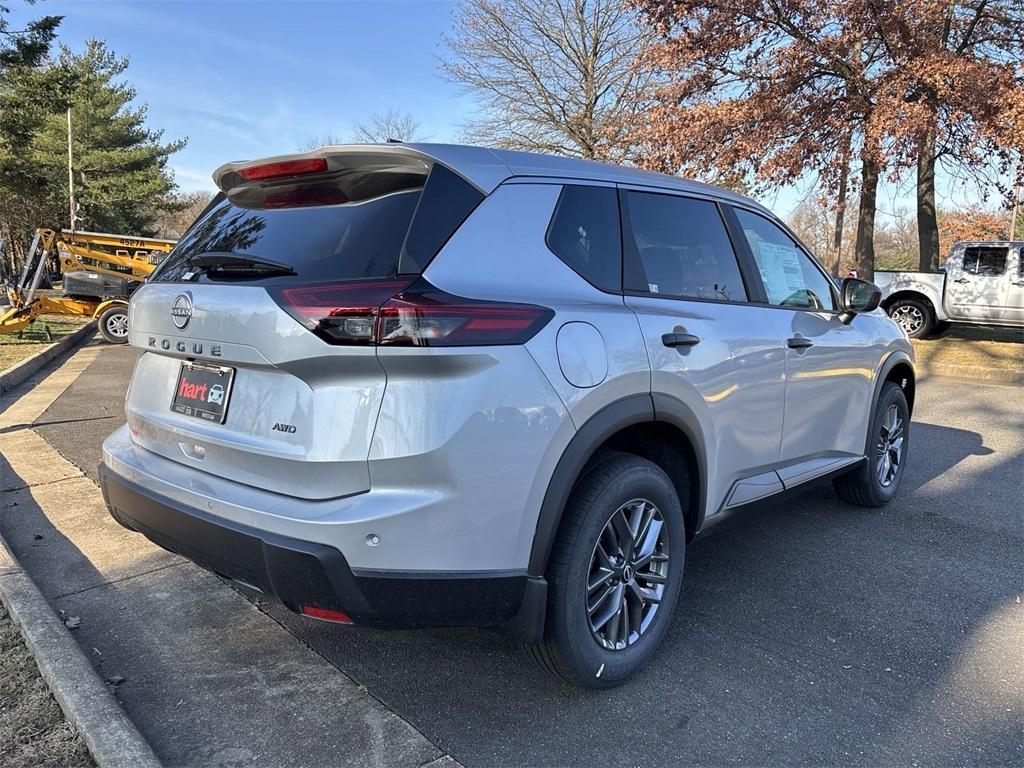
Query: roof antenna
395, 141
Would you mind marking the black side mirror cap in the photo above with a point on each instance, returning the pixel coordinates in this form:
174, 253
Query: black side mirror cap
858, 296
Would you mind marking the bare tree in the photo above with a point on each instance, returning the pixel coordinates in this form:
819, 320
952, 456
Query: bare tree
180, 210
321, 141
549, 75
388, 126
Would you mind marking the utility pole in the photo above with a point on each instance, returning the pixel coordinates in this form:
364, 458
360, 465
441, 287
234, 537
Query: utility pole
71, 179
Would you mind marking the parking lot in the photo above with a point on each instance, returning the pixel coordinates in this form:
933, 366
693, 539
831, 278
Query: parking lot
813, 633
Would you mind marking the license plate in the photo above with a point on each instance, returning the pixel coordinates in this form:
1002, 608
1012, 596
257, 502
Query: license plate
202, 391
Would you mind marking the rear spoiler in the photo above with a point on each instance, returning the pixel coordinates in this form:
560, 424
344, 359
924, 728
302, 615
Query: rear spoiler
330, 161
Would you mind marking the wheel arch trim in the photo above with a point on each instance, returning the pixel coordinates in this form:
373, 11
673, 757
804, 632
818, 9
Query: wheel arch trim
623, 413
894, 358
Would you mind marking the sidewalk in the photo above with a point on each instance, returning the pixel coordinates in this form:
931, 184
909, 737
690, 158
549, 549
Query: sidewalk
207, 678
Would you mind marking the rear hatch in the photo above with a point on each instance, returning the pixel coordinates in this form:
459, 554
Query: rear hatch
258, 330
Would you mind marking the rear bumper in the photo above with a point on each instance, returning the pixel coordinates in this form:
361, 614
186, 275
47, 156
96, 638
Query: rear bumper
308, 573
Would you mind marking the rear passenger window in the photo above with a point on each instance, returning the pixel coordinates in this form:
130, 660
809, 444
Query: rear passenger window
985, 261
678, 247
584, 233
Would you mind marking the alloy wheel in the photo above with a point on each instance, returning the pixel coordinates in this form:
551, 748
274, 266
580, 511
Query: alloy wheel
628, 575
909, 318
117, 325
890, 447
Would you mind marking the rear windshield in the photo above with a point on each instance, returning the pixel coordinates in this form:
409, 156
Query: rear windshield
378, 237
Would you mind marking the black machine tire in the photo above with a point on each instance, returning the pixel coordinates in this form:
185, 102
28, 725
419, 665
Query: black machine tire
113, 324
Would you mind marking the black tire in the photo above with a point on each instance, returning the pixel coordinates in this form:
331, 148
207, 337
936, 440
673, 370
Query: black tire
113, 324
915, 316
864, 486
571, 649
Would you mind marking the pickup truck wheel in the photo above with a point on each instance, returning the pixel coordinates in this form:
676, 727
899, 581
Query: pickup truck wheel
875, 481
914, 316
615, 573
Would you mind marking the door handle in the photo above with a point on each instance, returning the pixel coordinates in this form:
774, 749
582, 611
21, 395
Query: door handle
1018, 282
799, 342
679, 339
961, 280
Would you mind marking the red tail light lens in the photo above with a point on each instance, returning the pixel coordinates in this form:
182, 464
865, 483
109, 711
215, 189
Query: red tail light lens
432, 318
405, 314
340, 313
284, 168
326, 614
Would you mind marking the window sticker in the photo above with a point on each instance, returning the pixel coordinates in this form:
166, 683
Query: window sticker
780, 270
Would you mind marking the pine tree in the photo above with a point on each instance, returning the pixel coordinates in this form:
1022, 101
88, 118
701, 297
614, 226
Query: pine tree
120, 166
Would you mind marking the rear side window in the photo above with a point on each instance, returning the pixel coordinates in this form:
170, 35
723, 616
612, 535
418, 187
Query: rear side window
584, 233
396, 229
985, 261
678, 247
446, 201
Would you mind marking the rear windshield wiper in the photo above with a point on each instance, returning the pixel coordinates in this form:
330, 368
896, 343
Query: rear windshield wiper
226, 263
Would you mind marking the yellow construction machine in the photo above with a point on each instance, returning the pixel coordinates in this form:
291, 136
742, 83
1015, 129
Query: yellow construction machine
100, 271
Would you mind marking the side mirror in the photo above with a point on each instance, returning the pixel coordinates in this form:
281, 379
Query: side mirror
859, 296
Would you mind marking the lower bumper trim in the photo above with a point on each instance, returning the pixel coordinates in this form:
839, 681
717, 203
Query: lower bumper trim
307, 573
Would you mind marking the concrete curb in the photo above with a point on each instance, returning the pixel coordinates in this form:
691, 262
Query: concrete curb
972, 372
112, 739
17, 373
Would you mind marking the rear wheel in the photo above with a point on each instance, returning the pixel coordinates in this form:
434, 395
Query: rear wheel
875, 481
113, 323
913, 315
615, 573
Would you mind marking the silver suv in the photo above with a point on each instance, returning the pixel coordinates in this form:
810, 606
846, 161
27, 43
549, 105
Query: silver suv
426, 385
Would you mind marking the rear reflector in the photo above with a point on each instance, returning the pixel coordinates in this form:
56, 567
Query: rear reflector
325, 614
283, 169
405, 314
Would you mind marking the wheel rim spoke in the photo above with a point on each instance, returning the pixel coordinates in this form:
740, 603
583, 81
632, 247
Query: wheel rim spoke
623, 533
645, 595
612, 602
600, 578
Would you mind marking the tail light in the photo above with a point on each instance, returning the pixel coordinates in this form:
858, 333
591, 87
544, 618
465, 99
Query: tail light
403, 313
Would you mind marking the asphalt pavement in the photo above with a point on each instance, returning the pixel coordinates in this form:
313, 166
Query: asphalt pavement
814, 633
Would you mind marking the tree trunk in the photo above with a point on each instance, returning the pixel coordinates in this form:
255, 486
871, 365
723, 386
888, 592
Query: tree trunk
844, 178
927, 219
864, 257
837, 237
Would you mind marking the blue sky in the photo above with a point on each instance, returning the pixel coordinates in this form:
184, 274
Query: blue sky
248, 78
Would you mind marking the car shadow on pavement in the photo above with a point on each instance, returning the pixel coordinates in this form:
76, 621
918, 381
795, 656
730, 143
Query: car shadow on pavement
813, 633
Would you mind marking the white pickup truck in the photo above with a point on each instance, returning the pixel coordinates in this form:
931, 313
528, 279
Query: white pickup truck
981, 283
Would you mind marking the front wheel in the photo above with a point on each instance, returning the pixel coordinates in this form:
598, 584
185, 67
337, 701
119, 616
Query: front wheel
876, 480
615, 573
113, 323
